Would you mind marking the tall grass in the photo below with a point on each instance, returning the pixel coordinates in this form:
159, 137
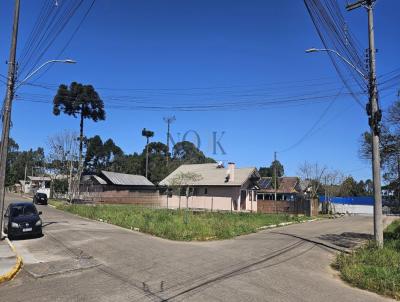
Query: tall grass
179, 224
375, 269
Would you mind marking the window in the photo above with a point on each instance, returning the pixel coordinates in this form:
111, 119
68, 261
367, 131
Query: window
205, 191
250, 195
23, 210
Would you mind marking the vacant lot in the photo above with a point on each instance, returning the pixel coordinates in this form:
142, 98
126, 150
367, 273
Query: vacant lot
375, 269
178, 225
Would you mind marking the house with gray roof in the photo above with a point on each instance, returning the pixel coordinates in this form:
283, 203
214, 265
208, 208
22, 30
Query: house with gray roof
113, 181
215, 180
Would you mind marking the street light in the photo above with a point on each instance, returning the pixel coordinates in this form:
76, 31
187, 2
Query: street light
66, 61
375, 115
11, 88
340, 56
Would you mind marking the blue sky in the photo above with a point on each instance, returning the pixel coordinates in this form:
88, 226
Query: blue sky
178, 52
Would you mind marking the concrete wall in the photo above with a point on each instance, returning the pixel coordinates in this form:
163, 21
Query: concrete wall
352, 209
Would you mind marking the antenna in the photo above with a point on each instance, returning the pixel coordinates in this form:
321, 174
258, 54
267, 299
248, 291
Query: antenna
169, 120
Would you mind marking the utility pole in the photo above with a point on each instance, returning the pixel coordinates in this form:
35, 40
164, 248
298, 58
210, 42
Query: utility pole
147, 156
375, 115
169, 120
147, 134
7, 112
275, 183
275, 180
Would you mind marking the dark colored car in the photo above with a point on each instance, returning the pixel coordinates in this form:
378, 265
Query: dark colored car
22, 218
40, 198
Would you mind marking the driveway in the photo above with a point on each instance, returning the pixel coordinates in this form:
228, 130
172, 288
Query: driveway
83, 260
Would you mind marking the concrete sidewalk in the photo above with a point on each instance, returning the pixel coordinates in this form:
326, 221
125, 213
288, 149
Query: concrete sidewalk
10, 261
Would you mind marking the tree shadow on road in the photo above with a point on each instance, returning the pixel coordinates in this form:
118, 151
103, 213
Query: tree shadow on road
348, 240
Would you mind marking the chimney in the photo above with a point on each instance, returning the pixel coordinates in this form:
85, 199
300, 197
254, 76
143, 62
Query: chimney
231, 171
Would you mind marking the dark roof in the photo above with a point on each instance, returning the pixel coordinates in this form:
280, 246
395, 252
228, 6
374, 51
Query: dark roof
265, 182
285, 185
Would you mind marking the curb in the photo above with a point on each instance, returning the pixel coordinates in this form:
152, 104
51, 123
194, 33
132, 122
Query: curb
15, 269
272, 226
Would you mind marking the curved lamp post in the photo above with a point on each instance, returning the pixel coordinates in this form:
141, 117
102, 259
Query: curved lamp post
340, 56
66, 61
375, 115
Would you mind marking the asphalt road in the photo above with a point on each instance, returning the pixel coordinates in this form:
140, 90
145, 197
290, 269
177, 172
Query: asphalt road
83, 260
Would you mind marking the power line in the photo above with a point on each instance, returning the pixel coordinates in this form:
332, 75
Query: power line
50, 24
309, 131
329, 24
69, 40
214, 106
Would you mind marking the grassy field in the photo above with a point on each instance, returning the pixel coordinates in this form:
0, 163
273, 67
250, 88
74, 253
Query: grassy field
374, 269
178, 225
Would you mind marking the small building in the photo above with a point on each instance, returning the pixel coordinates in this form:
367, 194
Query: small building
289, 189
33, 184
113, 181
217, 187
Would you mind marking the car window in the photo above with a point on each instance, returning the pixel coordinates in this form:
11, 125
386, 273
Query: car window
23, 210
41, 195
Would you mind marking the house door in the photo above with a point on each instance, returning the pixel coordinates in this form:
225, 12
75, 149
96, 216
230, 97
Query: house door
243, 195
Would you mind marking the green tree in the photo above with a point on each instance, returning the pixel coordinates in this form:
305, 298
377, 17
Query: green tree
79, 100
265, 172
186, 152
269, 171
130, 164
99, 155
350, 187
389, 147
158, 168
18, 161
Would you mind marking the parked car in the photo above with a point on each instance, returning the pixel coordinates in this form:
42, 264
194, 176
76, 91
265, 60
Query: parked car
40, 198
22, 218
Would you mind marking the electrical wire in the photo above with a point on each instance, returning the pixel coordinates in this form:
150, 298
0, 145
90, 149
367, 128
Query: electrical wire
312, 128
334, 34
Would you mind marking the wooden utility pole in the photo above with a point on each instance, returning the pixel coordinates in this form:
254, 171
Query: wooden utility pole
275, 183
375, 115
7, 111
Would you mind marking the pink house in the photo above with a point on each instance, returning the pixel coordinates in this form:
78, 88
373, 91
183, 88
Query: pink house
218, 187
